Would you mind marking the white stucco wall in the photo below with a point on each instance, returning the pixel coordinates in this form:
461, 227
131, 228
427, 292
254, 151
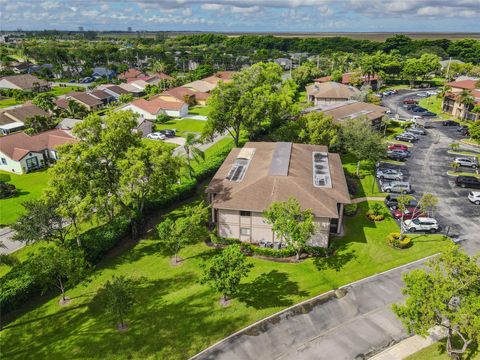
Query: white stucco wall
5, 84
19, 167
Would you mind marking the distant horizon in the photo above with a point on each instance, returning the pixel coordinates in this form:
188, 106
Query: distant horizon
279, 16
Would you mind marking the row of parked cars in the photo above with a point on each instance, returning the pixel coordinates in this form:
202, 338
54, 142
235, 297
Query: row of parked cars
161, 134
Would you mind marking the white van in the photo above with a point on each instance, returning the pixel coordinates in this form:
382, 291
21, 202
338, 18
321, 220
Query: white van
400, 187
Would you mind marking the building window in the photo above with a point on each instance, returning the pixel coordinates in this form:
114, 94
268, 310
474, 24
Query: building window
245, 231
4, 161
245, 213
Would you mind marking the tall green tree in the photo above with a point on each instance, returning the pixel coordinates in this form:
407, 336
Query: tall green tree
225, 271
305, 73
58, 266
466, 99
290, 223
192, 151
474, 130
38, 123
117, 297
45, 101
445, 294
360, 139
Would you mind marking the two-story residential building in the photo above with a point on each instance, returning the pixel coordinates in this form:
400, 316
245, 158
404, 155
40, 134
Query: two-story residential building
328, 93
452, 101
25, 82
253, 177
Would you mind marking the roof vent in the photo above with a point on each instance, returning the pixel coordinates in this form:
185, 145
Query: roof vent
321, 170
239, 167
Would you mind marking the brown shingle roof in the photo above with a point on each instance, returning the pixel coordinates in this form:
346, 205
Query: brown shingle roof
259, 189
16, 146
153, 106
100, 94
463, 84
117, 90
331, 90
24, 112
25, 81
350, 109
131, 73
85, 98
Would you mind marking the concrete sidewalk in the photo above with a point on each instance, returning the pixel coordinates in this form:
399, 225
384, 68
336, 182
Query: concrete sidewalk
410, 346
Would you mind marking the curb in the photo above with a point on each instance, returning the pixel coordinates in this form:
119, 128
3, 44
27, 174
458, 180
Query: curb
324, 296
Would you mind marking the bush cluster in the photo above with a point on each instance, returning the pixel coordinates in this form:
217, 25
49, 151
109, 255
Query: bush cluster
350, 209
394, 240
268, 252
372, 216
7, 190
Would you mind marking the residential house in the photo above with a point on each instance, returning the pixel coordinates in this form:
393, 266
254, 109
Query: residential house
184, 94
285, 63
105, 97
372, 80
13, 119
330, 92
260, 173
200, 86
25, 82
451, 102
103, 72
150, 109
21, 153
114, 90
131, 74
85, 99
68, 124
351, 109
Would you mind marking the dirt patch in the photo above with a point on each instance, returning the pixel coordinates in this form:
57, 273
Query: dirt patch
177, 262
122, 327
224, 302
65, 302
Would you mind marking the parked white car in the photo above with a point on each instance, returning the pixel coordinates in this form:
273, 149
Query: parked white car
432, 92
474, 197
422, 94
421, 224
390, 174
397, 187
156, 136
467, 162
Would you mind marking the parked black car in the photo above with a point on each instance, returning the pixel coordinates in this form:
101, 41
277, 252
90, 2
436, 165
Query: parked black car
462, 128
429, 114
467, 182
167, 132
450, 123
391, 200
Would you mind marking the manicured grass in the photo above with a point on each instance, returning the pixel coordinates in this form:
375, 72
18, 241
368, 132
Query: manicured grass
438, 351
465, 153
57, 90
22, 255
175, 316
199, 110
460, 173
8, 102
367, 185
29, 186
183, 126
434, 104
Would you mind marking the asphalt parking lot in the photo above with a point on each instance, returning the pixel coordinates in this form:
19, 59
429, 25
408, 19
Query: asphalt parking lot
427, 168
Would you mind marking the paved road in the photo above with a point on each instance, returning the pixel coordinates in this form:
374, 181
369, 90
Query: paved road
362, 323
10, 245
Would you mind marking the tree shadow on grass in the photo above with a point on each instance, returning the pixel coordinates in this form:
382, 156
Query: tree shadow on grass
268, 290
335, 262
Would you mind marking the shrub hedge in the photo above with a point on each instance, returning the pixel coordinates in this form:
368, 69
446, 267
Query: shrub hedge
350, 209
19, 285
393, 239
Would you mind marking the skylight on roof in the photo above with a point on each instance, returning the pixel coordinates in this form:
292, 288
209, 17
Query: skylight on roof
239, 167
321, 170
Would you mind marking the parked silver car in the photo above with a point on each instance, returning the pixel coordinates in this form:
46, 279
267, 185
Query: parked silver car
467, 162
390, 174
401, 187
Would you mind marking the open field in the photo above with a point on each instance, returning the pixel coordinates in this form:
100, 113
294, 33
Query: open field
175, 316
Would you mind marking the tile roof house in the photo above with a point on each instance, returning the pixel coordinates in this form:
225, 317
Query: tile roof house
253, 177
452, 105
330, 92
13, 119
21, 153
131, 74
25, 82
103, 96
346, 79
85, 99
115, 90
351, 109
150, 109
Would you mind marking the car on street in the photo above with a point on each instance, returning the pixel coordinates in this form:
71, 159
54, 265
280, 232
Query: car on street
422, 95
418, 109
466, 162
474, 197
450, 123
398, 147
167, 132
391, 201
401, 187
408, 214
406, 137
421, 224
404, 153
390, 174
462, 128
156, 136
432, 92
428, 114
467, 182
410, 101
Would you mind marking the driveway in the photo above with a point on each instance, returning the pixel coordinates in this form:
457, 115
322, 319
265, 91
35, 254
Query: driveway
6, 239
361, 324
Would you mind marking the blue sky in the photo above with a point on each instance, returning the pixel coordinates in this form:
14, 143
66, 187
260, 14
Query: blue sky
244, 15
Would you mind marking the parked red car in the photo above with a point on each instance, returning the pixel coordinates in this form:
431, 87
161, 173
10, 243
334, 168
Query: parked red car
398, 147
410, 213
410, 101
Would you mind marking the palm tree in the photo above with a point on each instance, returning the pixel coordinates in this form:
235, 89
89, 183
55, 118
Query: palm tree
465, 99
75, 110
192, 151
159, 67
443, 91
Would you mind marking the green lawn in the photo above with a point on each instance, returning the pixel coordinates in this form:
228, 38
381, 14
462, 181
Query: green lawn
176, 316
8, 102
434, 104
199, 110
57, 90
29, 186
438, 351
183, 126
367, 186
